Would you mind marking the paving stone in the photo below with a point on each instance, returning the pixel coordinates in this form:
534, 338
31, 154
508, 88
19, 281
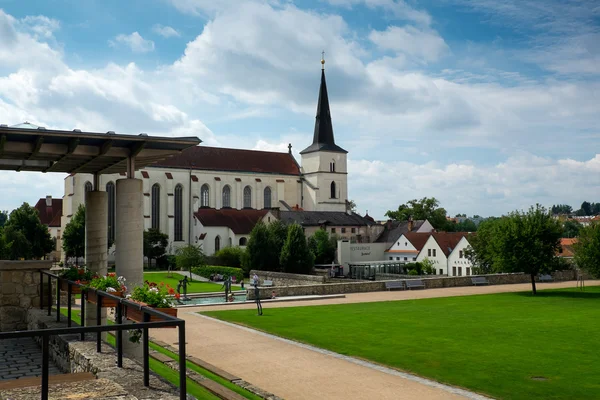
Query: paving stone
22, 358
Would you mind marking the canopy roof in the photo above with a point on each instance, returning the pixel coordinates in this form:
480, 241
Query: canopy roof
44, 150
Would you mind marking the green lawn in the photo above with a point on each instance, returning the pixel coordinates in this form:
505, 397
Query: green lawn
193, 287
493, 344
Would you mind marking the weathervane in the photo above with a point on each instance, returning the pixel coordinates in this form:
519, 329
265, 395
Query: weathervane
323, 59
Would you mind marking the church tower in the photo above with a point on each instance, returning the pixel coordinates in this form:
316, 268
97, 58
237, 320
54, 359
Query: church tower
324, 164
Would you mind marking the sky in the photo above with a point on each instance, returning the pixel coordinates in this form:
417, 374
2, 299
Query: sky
487, 105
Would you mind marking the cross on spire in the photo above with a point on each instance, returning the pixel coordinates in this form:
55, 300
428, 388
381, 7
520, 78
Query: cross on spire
323, 59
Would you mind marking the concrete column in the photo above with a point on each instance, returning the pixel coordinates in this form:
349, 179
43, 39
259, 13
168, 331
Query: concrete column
129, 237
96, 240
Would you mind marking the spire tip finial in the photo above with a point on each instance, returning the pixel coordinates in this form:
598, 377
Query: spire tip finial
323, 59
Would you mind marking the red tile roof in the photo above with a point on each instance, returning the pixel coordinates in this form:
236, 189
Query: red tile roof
566, 247
417, 239
221, 159
50, 215
448, 240
239, 221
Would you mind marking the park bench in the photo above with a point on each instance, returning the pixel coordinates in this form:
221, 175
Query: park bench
479, 280
414, 284
394, 285
267, 283
546, 278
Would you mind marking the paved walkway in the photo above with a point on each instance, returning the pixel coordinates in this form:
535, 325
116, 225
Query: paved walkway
22, 358
295, 371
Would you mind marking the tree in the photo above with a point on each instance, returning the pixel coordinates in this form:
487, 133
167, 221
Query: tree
261, 250
74, 235
155, 244
426, 208
3, 218
460, 215
464, 226
561, 209
323, 247
230, 256
295, 255
586, 208
277, 235
520, 242
350, 205
571, 229
587, 249
188, 257
25, 236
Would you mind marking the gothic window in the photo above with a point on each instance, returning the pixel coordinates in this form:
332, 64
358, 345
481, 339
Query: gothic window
217, 243
204, 192
267, 197
178, 213
243, 241
333, 191
247, 197
332, 166
230, 242
155, 214
226, 196
110, 189
88, 186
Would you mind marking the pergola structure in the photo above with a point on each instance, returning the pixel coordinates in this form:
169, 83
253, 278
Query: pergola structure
26, 147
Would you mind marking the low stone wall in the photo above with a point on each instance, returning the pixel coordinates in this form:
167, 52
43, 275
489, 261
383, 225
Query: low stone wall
391, 277
19, 291
72, 355
285, 279
375, 286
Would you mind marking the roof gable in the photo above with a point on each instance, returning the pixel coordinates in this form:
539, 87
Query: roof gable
319, 218
394, 229
49, 215
234, 160
448, 240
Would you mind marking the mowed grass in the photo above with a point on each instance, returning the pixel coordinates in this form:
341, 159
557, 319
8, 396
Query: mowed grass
509, 346
193, 286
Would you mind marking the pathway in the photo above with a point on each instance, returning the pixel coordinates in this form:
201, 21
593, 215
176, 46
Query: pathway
295, 371
22, 358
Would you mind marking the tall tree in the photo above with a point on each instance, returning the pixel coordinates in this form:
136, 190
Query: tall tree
561, 209
188, 257
350, 205
261, 252
295, 255
3, 218
425, 208
479, 253
74, 235
277, 235
571, 228
323, 247
520, 242
586, 208
587, 249
25, 236
155, 244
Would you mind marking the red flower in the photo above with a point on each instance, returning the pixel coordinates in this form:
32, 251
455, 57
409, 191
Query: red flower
78, 281
177, 296
171, 291
80, 272
112, 274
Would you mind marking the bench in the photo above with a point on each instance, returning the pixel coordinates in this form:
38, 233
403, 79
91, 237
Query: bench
546, 278
414, 284
394, 285
267, 283
480, 280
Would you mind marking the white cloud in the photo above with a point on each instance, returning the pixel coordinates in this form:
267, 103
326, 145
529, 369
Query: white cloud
425, 44
165, 31
398, 8
41, 26
134, 41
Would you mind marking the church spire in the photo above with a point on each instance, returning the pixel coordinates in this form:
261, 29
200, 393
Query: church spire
323, 137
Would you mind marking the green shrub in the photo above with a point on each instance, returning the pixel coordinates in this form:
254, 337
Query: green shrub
413, 272
207, 271
230, 257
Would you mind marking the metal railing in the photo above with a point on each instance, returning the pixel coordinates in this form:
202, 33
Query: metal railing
118, 327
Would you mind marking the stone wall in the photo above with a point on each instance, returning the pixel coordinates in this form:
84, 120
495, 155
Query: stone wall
285, 279
72, 355
375, 286
19, 291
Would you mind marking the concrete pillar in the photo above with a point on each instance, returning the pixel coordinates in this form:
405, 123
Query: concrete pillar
129, 238
96, 240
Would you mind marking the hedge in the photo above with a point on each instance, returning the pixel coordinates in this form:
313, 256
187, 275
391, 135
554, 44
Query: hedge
207, 271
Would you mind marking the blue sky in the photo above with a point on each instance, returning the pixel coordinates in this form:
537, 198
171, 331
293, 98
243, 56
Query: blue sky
487, 105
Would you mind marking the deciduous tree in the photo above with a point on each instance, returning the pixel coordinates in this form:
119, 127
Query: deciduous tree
155, 244
295, 255
74, 235
587, 249
188, 257
571, 229
425, 208
323, 247
25, 236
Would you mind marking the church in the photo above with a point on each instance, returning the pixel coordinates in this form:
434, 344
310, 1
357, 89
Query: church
214, 196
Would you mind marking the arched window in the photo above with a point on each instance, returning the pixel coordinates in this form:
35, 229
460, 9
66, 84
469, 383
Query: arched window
243, 241
247, 197
267, 197
88, 186
178, 213
155, 214
217, 243
204, 192
110, 189
230, 242
333, 191
226, 196
332, 166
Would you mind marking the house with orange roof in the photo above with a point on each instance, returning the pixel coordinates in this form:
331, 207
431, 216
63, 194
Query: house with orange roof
566, 249
447, 252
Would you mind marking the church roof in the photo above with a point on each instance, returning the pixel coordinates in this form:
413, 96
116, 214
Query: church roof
323, 137
394, 229
49, 214
318, 218
239, 221
235, 160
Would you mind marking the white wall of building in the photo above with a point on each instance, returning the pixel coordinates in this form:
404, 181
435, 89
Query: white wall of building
402, 250
433, 252
458, 264
316, 167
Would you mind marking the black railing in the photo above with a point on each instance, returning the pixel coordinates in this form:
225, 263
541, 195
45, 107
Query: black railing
165, 321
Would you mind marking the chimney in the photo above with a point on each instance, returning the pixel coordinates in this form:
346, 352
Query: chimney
410, 224
48, 201
388, 224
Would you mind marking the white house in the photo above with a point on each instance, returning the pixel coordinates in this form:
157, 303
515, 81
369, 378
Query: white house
407, 247
439, 248
458, 264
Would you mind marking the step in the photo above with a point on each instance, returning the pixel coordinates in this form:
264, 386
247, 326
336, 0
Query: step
52, 380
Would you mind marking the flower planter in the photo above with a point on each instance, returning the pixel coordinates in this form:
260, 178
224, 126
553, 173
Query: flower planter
74, 289
133, 313
107, 302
